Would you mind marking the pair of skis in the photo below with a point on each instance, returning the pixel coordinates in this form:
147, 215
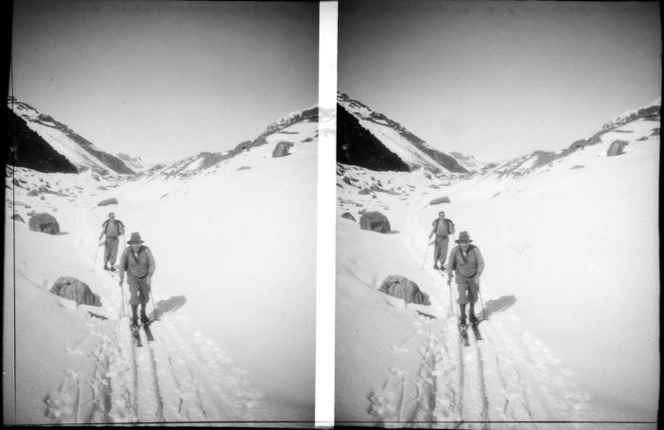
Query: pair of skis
136, 333
463, 330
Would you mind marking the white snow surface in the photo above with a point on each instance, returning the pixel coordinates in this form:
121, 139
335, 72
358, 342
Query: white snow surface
571, 289
234, 292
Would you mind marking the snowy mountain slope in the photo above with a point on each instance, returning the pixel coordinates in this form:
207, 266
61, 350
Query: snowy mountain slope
79, 151
632, 127
234, 291
137, 164
573, 326
409, 148
27, 149
298, 128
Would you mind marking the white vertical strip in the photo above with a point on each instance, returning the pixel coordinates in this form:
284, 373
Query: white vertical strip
326, 227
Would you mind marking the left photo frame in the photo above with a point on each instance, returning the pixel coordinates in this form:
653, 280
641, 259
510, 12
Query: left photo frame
160, 213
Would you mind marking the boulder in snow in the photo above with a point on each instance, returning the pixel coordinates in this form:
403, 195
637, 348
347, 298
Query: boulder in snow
365, 191
73, 289
375, 221
403, 288
440, 200
349, 216
33, 193
17, 217
617, 148
45, 223
111, 201
282, 148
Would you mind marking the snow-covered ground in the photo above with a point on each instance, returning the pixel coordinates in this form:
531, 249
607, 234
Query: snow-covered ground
234, 291
571, 287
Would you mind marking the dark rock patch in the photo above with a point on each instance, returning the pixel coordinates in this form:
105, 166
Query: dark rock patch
617, 148
375, 221
73, 289
28, 149
17, 217
440, 200
111, 201
44, 223
358, 147
282, 149
349, 216
403, 288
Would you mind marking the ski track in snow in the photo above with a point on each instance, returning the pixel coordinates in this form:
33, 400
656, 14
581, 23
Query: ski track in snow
180, 377
505, 376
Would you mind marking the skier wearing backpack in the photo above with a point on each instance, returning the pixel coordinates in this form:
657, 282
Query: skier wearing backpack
137, 260
467, 261
113, 229
442, 228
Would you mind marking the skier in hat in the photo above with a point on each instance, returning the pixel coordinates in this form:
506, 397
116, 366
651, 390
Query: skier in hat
442, 228
140, 265
467, 261
112, 228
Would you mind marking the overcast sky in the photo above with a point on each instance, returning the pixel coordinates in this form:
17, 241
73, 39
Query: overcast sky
500, 79
165, 79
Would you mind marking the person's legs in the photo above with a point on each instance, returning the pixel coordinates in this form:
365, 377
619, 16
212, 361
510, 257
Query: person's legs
436, 252
144, 298
113, 251
444, 244
133, 299
462, 289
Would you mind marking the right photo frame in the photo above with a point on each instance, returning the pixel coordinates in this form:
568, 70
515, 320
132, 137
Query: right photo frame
497, 214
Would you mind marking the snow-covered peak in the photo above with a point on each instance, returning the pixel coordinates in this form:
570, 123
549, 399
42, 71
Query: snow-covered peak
650, 112
308, 114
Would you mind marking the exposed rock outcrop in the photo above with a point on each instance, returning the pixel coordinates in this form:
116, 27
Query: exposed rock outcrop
375, 221
358, 147
73, 289
27, 149
617, 148
44, 223
282, 149
111, 201
403, 288
349, 216
440, 200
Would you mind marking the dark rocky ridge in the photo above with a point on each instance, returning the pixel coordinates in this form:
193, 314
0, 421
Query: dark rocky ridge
358, 147
446, 161
111, 161
31, 151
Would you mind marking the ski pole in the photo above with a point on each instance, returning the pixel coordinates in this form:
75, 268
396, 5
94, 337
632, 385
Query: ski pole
154, 308
124, 312
425, 255
486, 317
449, 284
95, 260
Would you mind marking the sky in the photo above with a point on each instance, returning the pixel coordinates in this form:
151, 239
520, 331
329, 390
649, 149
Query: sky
164, 80
500, 79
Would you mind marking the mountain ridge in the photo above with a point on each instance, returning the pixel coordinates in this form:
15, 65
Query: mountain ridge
62, 139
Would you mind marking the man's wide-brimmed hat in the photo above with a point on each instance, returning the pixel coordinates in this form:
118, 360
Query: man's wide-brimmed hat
135, 238
464, 237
